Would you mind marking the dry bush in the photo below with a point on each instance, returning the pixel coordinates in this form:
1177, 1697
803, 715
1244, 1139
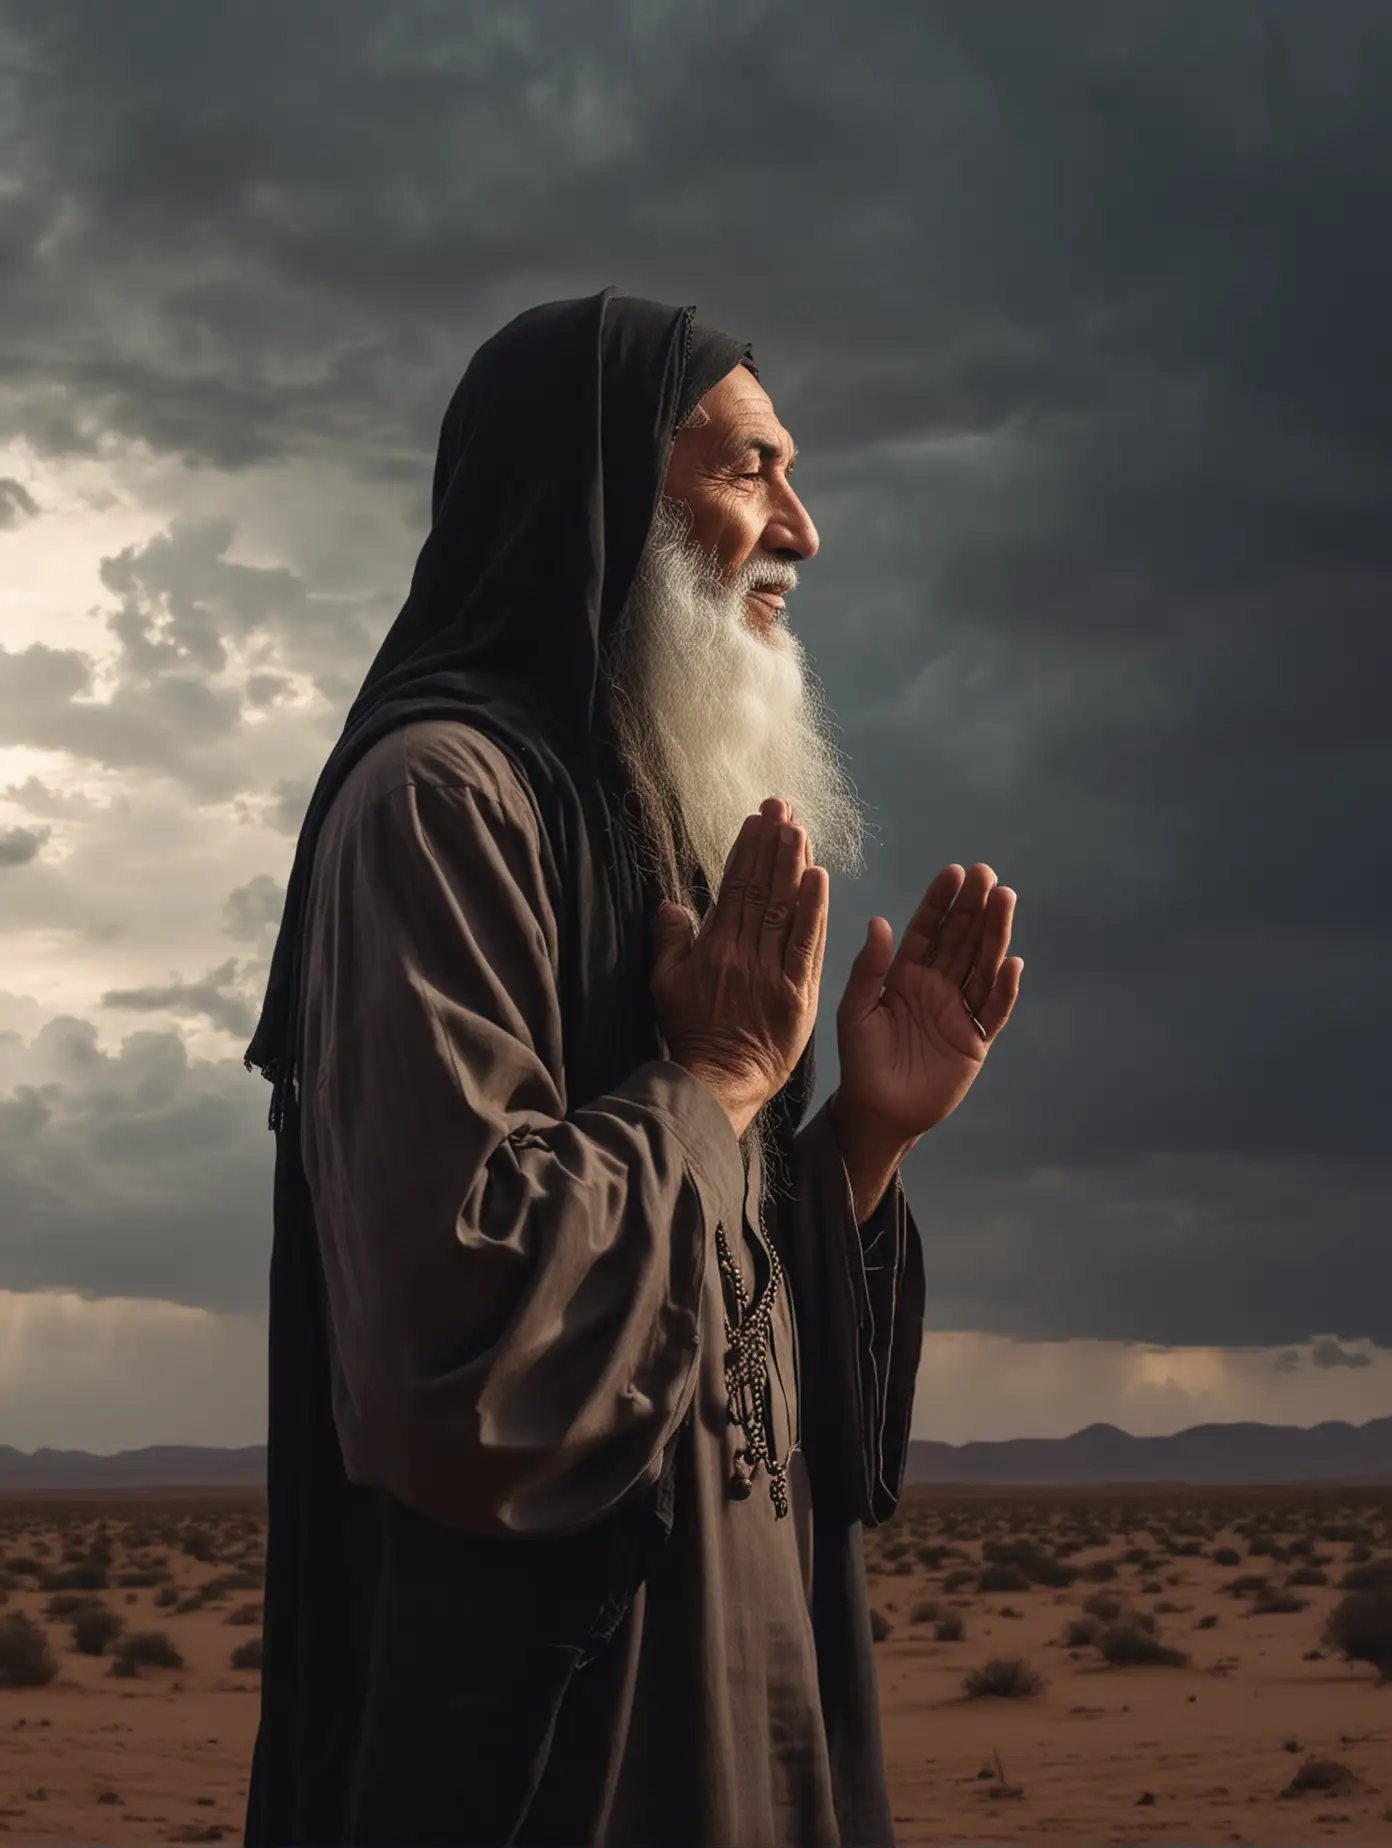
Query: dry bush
1322, 1775
955, 1580
1373, 1575
1275, 1601
1248, 1586
247, 1655
66, 1604
1226, 1556
1104, 1605
1130, 1643
926, 1610
144, 1649
1360, 1628
26, 1661
1308, 1575
1100, 1572
880, 1626
1002, 1578
949, 1629
1003, 1678
244, 1613
95, 1628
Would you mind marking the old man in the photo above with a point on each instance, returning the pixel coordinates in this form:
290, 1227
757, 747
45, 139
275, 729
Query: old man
592, 1353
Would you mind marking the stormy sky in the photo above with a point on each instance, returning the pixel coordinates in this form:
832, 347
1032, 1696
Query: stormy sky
1082, 318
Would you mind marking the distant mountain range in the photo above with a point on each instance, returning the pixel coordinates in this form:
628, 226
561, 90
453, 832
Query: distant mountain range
1209, 1454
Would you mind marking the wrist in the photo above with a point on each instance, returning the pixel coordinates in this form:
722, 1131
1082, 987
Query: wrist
867, 1137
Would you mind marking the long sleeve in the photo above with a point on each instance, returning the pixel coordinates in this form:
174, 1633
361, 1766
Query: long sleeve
513, 1277
859, 1293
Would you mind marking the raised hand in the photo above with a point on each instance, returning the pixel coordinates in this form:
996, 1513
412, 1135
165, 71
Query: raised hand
914, 1025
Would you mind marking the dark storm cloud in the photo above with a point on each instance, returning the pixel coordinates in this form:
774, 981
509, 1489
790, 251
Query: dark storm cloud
18, 846
1082, 319
1328, 1353
17, 504
138, 1173
192, 1000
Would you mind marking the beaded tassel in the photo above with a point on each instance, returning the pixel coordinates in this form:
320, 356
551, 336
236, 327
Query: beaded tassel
747, 1377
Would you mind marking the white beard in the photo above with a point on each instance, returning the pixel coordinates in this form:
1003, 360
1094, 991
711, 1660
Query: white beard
711, 718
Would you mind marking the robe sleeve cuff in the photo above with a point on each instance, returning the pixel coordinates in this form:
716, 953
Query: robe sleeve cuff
706, 1134
871, 1320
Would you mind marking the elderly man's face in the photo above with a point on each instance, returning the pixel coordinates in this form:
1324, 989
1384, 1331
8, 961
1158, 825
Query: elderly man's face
733, 474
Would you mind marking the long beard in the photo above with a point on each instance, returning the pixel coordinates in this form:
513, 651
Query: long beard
710, 718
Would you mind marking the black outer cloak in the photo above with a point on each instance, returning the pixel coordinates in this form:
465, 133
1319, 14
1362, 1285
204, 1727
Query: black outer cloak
412, 1674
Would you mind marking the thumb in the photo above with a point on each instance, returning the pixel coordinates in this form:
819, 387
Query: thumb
863, 984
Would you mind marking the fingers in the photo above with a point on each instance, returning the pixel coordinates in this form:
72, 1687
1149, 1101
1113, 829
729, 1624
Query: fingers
993, 940
802, 959
758, 893
924, 928
778, 913
996, 1010
727, 914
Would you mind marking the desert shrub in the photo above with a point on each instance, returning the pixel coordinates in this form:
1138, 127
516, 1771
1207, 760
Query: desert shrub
91, 1575
229, 1581
95, 1628
145, 1649
1002, 1678
957, 1578
1320, 1774
1188, 1549
1151, 1588
1104, 1605
1358, 1553
197, 1542
880, 1626
26, 1661
1100, 1572
926, 1610
1226, 1556
244, 1613
166, 1596
1308, 1575
1373, 1575
1002, 1578
247, 1654
1360, 1628
949, 1629
65, 1604
1080, 1633
1210, 1622
1247, 1586
24, 1565
1130, 1643
1271, 1603
1051, 1572
139, 1580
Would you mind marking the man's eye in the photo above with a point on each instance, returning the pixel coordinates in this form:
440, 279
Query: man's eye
754, 477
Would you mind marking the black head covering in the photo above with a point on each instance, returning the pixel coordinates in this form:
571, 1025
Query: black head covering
551, 462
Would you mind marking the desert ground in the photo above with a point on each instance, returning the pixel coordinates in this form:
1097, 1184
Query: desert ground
1078, 1667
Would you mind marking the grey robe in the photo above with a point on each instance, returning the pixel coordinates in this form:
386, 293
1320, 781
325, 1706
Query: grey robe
525, 1301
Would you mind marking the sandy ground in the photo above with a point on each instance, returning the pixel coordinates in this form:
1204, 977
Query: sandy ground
1199, 1753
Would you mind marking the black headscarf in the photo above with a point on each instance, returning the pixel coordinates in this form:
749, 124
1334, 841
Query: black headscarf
551, 462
